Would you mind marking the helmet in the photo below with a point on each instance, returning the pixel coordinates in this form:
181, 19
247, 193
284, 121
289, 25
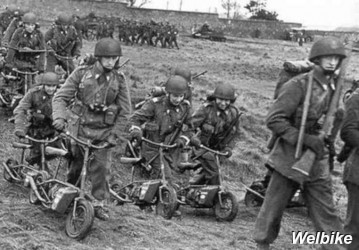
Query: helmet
64, 19
176, 85
29, 18
226, 92
186, 74
48, 78
12, 8
108, 47
327, 46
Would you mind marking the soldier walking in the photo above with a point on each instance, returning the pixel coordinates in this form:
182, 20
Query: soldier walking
97, 103
284, 119
350, 135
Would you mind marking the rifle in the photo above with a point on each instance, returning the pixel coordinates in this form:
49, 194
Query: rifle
127, 86
304, 165
200, 74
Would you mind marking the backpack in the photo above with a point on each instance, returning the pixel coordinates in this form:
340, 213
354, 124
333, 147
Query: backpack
290, 70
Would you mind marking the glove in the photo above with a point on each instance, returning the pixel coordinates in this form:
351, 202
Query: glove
180, 143
20, 133
112, 139
59, 124
228, 151
195, 141
316, 144
136, 134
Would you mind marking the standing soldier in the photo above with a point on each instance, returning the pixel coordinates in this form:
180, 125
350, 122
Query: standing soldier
350, 135
163, 118
218, 123
27, 38
65, 43
96, 99
284, 119
33, 115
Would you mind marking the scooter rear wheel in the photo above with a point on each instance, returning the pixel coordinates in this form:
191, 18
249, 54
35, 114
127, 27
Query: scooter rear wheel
229, 209
78, 226
168, 205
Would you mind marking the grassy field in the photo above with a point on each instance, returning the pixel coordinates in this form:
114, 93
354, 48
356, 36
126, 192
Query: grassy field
252, 66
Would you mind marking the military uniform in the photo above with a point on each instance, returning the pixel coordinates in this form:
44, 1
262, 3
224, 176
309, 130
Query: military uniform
10, 30
350, 135
30, 61
219, 129
98, 105
284, 120
65, 43
33, 115
160, 119
5, 20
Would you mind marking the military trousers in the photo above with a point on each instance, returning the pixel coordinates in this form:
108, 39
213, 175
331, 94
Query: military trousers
351, 225
153, 158
318, 198
98, 170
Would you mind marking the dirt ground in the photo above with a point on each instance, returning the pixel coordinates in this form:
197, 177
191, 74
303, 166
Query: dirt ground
252, 66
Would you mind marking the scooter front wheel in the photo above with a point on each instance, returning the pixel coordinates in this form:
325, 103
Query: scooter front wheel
168, 204
80, 219
228, 210
10, 163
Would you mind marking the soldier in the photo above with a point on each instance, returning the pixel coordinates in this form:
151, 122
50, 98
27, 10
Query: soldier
6, 17
186, 74
284, 119
65, 43
96, 98
163, 118
27, 38
218, 123
349, 134
173, 36
33, 115
15, 23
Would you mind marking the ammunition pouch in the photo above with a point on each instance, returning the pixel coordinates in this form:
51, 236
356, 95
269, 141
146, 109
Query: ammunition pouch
111, 114
151, 131
206, 133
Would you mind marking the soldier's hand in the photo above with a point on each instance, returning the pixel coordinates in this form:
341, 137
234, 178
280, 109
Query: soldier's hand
20, 133
59, 124
228, 151
180, 143
112, 139
195, 141
316, 144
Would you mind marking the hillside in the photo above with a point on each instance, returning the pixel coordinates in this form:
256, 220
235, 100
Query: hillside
252, 66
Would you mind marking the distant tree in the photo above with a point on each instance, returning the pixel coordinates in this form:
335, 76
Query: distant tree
230, 6
257, 8
140, 3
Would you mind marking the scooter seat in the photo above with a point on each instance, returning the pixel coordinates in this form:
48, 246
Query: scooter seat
21, 145
130, 160
56, 151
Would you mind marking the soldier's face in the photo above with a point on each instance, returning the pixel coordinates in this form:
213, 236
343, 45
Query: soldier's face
329, 63
50, 90
176, 99
222, 104
30, 27
109, 62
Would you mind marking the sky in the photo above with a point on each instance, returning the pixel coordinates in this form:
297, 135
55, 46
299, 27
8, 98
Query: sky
325, 14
